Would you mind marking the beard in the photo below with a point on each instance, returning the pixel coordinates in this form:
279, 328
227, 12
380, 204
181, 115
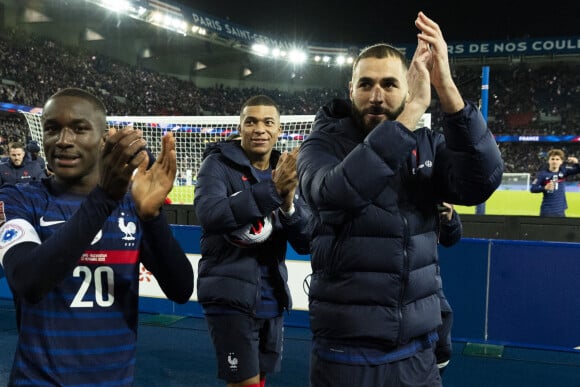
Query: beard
368, 124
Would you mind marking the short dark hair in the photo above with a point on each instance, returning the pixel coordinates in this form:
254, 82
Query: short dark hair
33, 147
17, 145
87, 96
260, 100
379, 51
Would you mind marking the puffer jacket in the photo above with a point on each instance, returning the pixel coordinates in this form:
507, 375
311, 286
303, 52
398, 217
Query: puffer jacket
373, 199
228, 195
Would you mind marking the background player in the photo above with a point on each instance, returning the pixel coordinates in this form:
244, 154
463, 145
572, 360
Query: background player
551, 183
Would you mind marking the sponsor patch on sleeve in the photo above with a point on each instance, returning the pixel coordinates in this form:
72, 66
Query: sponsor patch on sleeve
16, 231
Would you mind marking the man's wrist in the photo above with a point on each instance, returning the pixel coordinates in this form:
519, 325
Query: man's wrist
290, 211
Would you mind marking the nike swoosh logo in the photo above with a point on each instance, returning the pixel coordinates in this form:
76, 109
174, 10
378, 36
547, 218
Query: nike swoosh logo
97, 237
47, 223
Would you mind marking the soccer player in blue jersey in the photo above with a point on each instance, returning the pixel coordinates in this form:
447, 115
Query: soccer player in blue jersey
550, 182
72, 243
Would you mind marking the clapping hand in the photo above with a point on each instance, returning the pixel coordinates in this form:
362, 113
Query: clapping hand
121, 154
151, 186
285, 177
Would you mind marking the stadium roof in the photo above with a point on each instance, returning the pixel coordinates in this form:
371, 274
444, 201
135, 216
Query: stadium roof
363, 22
208, 59
81, 23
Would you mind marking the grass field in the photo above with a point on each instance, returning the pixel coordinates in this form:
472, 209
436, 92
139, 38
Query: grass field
521, 203
182, 194
501, 202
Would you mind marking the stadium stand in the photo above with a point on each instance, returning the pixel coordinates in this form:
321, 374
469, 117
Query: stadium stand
526, 99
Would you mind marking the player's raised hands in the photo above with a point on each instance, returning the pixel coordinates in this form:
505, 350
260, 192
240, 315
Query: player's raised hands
122, 152
438, 64
151, 186
285, 177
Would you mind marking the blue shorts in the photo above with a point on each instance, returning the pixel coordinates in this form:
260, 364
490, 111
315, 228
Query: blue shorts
417, 370
245, 346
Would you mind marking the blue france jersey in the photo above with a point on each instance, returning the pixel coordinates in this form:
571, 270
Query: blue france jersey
554, 202
84, 331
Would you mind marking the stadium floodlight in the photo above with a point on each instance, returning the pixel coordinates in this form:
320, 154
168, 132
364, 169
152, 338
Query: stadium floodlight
168, 16
200, 66
340, 60
176, 24
168, 20
182, 26
260, 49
276, 52
156, 17
146, 53
297, 56
116, 5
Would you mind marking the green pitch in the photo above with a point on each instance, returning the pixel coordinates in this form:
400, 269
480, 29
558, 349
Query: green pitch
521, 203
501, 202
182, 194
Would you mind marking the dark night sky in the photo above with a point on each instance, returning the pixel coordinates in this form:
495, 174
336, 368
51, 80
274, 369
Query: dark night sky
363, 21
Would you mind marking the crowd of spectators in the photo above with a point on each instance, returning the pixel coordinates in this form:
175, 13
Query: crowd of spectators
524, 99
528, 99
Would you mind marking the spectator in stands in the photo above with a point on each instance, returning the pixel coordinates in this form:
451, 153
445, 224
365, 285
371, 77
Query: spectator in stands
246, 205
17, 169
531, 98
550, 181
373, 181
72, 245
450, 231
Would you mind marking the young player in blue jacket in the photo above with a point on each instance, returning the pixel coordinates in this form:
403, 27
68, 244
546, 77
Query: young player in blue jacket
551, 183
72, 244
247, 203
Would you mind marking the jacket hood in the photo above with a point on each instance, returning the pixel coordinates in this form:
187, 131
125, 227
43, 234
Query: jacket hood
336, 117
213, 147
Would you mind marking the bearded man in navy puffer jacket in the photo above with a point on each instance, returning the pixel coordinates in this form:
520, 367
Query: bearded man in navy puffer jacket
372, 181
